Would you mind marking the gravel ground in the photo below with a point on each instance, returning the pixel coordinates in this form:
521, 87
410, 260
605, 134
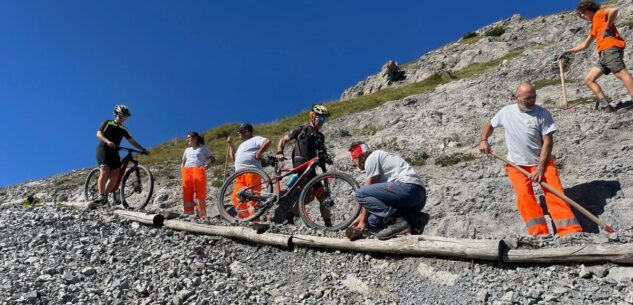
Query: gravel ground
56, 255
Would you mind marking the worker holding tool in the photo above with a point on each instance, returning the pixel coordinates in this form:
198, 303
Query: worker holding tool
610, 47
528, 133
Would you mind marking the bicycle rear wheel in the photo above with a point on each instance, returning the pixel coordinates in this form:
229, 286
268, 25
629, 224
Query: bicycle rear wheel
236, 203
91, 190
137, 187
339, 191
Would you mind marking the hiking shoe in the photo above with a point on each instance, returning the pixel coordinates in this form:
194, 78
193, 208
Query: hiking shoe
400, 226
260, 227
604, 106
100, 201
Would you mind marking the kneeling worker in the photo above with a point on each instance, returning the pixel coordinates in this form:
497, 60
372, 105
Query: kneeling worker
393, 195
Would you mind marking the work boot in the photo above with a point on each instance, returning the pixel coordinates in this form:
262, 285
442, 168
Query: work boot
418, 222
400, 226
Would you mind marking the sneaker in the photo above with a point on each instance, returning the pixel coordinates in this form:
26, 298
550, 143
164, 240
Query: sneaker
100, 201
400, 226
604, 106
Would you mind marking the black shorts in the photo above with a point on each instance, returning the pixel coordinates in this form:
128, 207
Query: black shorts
108, 157
298, 161
611, 60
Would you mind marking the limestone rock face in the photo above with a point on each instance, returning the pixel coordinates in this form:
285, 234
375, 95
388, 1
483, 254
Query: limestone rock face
388, 75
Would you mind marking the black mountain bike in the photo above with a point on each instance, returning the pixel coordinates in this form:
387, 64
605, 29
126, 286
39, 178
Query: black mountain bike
136, 183
255, 200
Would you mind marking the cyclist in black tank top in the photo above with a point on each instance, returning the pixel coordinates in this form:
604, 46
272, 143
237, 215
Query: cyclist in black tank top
110, 135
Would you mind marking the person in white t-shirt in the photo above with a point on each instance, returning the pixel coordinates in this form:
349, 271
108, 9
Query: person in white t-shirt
194, 178
248, 155
529, 138
392, 197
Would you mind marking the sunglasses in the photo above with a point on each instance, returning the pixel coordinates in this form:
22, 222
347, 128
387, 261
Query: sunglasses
321, 119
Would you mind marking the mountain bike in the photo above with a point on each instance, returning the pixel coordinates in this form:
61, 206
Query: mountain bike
256, 199
137, 183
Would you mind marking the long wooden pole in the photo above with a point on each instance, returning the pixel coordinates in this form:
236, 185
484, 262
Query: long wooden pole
481, 249
562, 196
562, 81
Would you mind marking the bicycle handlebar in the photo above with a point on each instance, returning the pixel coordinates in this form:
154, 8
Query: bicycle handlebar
132, 150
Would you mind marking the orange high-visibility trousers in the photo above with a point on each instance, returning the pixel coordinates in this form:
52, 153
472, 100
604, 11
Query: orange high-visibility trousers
246, 180
564, 219
194, 180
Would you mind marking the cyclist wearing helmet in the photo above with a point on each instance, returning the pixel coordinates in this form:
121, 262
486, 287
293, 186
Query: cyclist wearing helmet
308, 139
110, 135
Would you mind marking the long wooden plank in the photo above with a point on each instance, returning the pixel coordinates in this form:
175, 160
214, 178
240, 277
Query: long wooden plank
240, 233
620, 253
483, 249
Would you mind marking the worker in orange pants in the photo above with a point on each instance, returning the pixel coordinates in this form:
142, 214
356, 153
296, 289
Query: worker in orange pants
564, 220
254, 183
529, 130
194, 178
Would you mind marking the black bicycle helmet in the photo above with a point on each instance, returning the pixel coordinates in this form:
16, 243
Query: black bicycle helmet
122, 110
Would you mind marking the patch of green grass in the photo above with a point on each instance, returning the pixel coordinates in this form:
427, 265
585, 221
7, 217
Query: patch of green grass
453, 159
471, 40
469, 35
342, 132
418, 158
495, 32
171, 151
542, 83
582, 100
628, 23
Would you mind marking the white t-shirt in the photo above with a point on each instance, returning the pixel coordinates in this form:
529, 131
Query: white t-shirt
245, 154
390, 168
524, 132
196, 156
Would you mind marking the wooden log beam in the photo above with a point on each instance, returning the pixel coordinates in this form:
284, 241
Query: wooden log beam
240, 233
144, 218
619, 253
482, 249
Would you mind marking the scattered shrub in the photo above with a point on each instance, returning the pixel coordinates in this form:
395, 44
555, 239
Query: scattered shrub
495, 32
453, 159
469, 35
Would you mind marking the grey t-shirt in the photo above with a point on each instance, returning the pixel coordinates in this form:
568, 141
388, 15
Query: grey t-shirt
245, 154
524, 132
196, 156
390, 168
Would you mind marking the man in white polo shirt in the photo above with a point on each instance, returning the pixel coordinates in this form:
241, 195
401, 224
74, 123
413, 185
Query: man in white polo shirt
392, 197
529, 138
248, 154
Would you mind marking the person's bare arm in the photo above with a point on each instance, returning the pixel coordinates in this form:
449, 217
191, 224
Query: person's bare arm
582, 46
486, 131
262, 149
612, 14
280, 147
546, 152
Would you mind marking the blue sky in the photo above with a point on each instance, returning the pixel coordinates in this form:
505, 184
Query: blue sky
192, 65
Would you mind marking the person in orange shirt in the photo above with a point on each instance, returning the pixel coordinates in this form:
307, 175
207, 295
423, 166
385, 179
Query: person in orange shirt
610, 49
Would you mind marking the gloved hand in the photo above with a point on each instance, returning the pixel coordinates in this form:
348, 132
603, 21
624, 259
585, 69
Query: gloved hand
562, 55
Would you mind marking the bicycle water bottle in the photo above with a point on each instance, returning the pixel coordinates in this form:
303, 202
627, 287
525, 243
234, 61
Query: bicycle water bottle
292, 180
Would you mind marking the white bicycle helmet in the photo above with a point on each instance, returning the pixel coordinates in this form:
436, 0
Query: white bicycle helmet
121, 110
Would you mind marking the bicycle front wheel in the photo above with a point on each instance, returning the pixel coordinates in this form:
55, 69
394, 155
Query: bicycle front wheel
137, 187
245, 195
91, 190
338, 208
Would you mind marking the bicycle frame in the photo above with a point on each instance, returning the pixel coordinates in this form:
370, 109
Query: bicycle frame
124, 162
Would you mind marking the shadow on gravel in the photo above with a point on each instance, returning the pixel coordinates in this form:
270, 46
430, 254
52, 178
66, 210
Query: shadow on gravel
593, 197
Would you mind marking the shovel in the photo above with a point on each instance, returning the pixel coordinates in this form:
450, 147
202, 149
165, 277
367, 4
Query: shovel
562, 196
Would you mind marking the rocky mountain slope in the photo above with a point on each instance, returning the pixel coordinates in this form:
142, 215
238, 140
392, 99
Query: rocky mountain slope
48, 251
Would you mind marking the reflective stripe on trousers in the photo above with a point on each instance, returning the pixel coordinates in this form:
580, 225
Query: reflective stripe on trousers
531, 212
194, 180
